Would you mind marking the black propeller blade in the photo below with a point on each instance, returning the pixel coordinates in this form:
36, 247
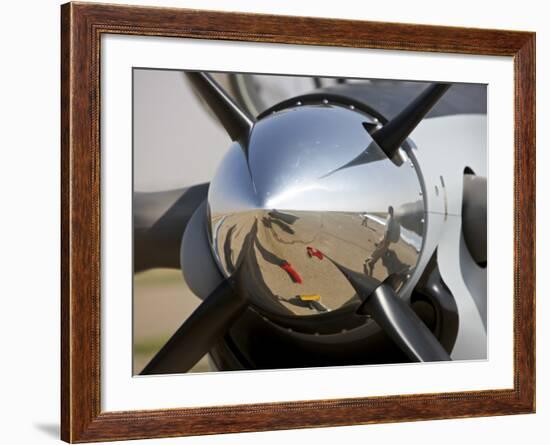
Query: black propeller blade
200, 332
236, 122
393, 134
219, 309
396, 318
403, 326
159, 221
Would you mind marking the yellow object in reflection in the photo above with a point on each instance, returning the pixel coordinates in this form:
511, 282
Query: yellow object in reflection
314, 297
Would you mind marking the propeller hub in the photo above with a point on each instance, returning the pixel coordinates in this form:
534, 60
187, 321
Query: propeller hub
307, 194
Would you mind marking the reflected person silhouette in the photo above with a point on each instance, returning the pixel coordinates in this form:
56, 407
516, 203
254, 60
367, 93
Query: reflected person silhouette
392, 233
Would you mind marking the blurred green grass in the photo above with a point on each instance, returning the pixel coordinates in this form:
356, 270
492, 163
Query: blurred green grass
161, 303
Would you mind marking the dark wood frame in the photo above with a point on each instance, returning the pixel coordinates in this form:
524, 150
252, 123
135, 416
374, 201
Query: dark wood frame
81, 28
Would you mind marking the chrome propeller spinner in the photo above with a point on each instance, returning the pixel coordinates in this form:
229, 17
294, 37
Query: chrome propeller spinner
312, 179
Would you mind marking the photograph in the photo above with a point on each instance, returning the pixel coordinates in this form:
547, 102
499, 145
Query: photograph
284, 221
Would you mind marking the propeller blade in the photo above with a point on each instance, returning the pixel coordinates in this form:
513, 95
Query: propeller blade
159, 220
393, 134
200, 332
403, 326
395, 317
236, 122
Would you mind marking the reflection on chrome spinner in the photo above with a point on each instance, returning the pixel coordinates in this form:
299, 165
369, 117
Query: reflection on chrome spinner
311, 194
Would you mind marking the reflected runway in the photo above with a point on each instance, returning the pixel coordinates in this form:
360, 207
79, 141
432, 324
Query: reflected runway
282, 269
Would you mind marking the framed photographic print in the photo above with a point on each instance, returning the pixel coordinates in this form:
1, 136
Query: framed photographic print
284, 222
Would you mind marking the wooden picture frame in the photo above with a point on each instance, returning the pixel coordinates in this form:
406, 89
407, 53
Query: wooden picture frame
82, 26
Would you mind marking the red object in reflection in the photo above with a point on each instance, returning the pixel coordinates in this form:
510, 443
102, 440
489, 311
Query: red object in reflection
293, 274
314, 252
